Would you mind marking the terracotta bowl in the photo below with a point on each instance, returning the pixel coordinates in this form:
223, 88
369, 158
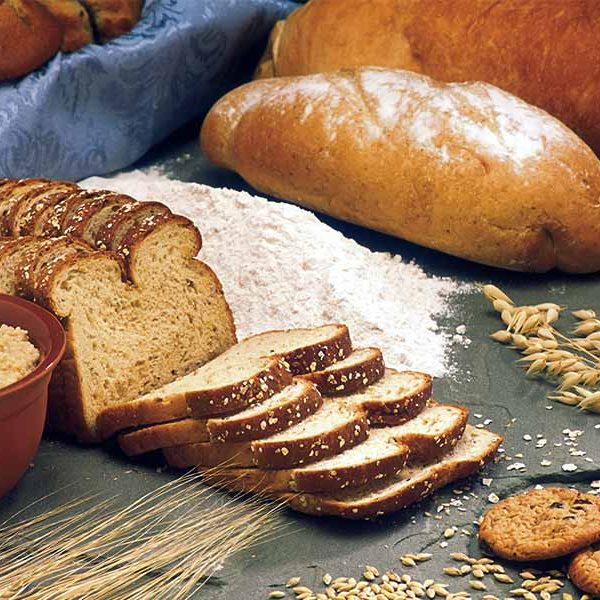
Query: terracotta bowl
23, 404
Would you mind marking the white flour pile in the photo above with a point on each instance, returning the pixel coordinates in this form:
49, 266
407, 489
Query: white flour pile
281, 267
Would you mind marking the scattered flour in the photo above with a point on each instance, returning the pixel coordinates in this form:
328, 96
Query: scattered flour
282, 267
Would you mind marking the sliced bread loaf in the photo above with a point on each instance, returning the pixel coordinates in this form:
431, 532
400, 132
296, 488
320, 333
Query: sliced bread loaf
424, 439
33, 213
352, 374
126, 338
397, 397
11, 195
282, 410
299, 349
334, 427
475, 449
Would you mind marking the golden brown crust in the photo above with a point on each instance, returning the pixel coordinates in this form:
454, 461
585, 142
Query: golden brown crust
584, 570
113, 18
163, 435
462, 168
74, 21
30, 36
481, 40
341, 381
541, 524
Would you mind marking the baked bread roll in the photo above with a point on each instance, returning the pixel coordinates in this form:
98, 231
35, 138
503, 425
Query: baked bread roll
75, 23
29, 36
463, 168
544, 51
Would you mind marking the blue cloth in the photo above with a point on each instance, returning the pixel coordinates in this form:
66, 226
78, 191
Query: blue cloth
101, 108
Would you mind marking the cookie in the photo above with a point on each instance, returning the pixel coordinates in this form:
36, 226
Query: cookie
541, 524
584, 570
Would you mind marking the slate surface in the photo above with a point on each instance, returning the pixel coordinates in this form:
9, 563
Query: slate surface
486, 380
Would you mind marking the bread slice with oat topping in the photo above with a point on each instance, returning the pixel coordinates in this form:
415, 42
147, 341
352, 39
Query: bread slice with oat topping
299, 349
282, 410
476, 448
356, 372
333, 428
397, 397
426, 438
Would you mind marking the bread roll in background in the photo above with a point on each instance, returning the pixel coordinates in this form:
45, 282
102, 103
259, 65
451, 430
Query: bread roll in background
463, 168
29, 36
544, 51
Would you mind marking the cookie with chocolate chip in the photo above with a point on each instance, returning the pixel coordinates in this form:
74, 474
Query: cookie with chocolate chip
542, 524
584, 570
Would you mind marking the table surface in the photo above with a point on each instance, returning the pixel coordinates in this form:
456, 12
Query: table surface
486, 380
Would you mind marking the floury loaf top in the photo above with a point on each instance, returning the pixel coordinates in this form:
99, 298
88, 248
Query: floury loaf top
467, 169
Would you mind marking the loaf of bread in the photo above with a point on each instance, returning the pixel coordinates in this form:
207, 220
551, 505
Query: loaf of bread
543, 51
33, 31
138, 313
463, 168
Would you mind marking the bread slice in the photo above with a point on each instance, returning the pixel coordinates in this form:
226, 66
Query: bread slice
334, 427
81, 215
16, 262
282, 410
11, 195
302, 350
475, 449
111, 233
32, 214
128, 337
378, 457
163, 435
424, 439
397, 397
299, 349
356, 372
39, 263
29, 199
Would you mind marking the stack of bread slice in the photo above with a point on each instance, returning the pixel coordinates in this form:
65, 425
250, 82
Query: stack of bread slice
302, 416
138, 308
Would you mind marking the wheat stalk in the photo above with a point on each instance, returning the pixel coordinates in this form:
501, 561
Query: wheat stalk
165, 544
573, 362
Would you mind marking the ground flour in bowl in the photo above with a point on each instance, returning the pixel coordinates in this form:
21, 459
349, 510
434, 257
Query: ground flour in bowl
282, 267
18, 356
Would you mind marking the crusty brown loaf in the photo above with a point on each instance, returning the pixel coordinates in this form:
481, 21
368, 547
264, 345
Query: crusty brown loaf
543, 51
74, 20
462, 168
134, 321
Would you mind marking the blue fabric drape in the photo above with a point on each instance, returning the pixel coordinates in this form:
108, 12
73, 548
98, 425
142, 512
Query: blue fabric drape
101, 108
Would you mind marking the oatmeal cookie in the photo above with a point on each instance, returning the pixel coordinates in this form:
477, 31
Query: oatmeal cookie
542, 524
584, 570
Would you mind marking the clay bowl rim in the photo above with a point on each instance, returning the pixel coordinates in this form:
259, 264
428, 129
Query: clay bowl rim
51, 360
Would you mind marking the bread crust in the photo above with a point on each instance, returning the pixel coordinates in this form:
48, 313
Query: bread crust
313, 481
261, 424
462, 168
163, 435
468, 41
419, 482
270, 379
343, 380
30, 36
273, 454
